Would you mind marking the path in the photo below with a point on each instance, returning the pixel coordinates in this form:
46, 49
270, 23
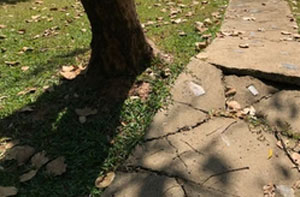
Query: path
189, 152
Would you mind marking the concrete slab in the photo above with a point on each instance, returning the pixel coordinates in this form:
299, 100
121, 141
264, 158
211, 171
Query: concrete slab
143, 185
243, 96
175, 117
215, 158
268, 56
201, 86
282, 108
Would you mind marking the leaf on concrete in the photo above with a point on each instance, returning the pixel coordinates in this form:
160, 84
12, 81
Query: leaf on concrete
57, 167
20, 153
8, 191
233, 105
105, 180
28, 176
39, 159
270, 154
296, 157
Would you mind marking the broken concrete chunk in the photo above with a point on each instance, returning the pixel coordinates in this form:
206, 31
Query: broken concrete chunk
196, 89
253, 90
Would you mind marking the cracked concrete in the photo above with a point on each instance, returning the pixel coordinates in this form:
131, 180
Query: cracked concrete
282, 110
188, 151
276, 60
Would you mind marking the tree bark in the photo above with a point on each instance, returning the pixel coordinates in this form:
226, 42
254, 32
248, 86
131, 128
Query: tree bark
118, 42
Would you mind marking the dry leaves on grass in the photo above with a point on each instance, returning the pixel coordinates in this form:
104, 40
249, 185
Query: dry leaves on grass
142, 90
8, 191
105, 180
20, 153
57, 167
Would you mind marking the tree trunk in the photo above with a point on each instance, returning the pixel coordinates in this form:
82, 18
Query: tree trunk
118, 42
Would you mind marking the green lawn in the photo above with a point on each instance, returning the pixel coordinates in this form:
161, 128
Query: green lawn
57, 34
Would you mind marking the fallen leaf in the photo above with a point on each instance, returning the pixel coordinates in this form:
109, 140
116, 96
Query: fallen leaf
233, 105
285, 33
82, 119
2, 37
8, 191
270, 153
2, 26
105, 180
29, 90
20, 153
39, 159
244, 46
230, 92
143, 90
86, 111
70, 72
200, 45
269, 190
28, 176
296, 157
27, 49
207, 22
12, 63
24, 68
26, 109
57, 167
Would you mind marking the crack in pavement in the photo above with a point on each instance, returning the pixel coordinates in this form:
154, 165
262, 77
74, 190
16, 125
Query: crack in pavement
191, 106
182, 187
180, 180
177, 153
180, 130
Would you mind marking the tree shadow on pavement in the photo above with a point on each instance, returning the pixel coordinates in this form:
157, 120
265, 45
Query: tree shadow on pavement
51, 124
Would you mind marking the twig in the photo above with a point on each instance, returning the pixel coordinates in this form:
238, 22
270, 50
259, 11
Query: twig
226, 128
225, 172
278, 137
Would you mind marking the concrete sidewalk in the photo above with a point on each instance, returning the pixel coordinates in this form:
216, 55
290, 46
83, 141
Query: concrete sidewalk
203, 145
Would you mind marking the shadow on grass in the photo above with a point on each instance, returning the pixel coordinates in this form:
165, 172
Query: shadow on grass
12, 1
53, 126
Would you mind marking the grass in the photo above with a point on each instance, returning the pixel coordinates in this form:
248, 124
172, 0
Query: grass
58, 32
295, 7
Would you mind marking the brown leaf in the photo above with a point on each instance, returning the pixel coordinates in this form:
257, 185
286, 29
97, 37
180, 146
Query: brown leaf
29, 90
244, 46
233, 105
8, 191
70, 72
57, 167
86, 111
28, 176
2, 26
19, 153
12, 63
296, 157
39, 159
24, 68
105, 180
230, 92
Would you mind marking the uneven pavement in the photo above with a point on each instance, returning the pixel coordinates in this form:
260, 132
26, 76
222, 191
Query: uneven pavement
217, 138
